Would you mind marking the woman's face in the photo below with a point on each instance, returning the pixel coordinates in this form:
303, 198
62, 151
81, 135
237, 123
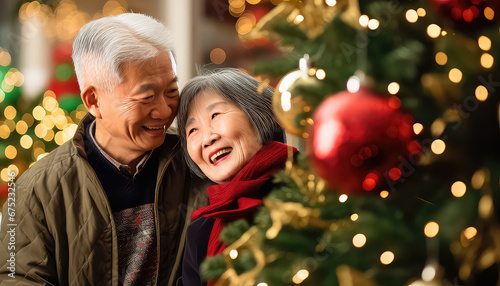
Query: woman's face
220, 137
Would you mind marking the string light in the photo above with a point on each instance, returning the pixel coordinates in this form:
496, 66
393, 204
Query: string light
373, 24
21, 127
433, 31
431, 229
40, 130
28, 119
438, 127
298, 19
455, 75
5, 175
478, 179
487, 60
233, 253
10, 112
363, 21
4, 131
387, 258
458, 189
470, 232
50, 104
441, 58
484, 43
39, 113
10, 124
217, 56
343, 198
353, 84
10, 152
13, 168
49, 136
26, 141
421, 12
300, 276
354, 217
359, 240
418, 128
41, 156
489, 13
438, 146
262, 284
5, 58
384, 194
331, 3
429, 273
481, 93
411, 16
320, 74
393, 88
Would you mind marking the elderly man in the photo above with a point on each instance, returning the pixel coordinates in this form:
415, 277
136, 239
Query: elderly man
110, 206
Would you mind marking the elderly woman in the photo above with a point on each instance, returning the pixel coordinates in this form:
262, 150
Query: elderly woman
231, 136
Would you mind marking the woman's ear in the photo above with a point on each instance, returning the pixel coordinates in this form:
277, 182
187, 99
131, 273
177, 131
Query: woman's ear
91, 101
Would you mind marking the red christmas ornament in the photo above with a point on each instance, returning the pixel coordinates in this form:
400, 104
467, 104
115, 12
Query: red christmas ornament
468, 15
358, 142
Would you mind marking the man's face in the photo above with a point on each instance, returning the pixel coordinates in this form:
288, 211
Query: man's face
136, 113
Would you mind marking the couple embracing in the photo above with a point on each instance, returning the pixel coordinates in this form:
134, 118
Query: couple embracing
125, 202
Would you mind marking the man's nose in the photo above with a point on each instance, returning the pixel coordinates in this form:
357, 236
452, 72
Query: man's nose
163, 109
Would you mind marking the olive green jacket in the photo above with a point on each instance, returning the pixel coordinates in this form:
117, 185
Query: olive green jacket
64, 232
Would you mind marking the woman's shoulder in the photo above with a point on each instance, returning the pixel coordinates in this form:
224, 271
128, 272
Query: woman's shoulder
200, 229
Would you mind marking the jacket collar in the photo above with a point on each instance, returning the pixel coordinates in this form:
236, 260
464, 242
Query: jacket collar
170, 146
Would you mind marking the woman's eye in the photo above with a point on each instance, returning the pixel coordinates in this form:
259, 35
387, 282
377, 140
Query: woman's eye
147, 98
214, 115
191, 130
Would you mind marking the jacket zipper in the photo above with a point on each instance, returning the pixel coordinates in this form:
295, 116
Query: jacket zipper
157, 219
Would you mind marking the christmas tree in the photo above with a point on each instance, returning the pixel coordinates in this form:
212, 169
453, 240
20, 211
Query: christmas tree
398, 106
32, 126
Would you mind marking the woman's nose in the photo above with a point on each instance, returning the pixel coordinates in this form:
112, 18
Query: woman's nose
210, 138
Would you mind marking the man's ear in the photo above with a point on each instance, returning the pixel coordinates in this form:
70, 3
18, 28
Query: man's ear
91, 101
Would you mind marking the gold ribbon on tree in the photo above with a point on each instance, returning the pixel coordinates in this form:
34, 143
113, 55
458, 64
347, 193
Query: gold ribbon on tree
310, 15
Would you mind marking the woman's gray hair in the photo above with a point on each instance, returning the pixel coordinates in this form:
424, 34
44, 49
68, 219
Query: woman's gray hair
103, 46
243, 91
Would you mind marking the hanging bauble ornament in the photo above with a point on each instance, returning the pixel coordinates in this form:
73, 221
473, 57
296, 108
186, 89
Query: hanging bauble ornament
292, 102
468, 15
359, 140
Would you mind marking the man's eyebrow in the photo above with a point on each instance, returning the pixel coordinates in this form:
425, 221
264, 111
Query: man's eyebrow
152, 86
146, 87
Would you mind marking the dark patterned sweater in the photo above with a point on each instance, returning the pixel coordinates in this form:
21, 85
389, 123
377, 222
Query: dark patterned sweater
131, 199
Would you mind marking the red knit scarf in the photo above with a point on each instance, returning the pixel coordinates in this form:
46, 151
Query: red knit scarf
241, 196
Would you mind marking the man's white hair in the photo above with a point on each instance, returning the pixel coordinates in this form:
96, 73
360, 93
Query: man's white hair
103, 46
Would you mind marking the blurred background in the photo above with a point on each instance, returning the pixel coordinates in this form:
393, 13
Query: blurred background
39, 95
395, 103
